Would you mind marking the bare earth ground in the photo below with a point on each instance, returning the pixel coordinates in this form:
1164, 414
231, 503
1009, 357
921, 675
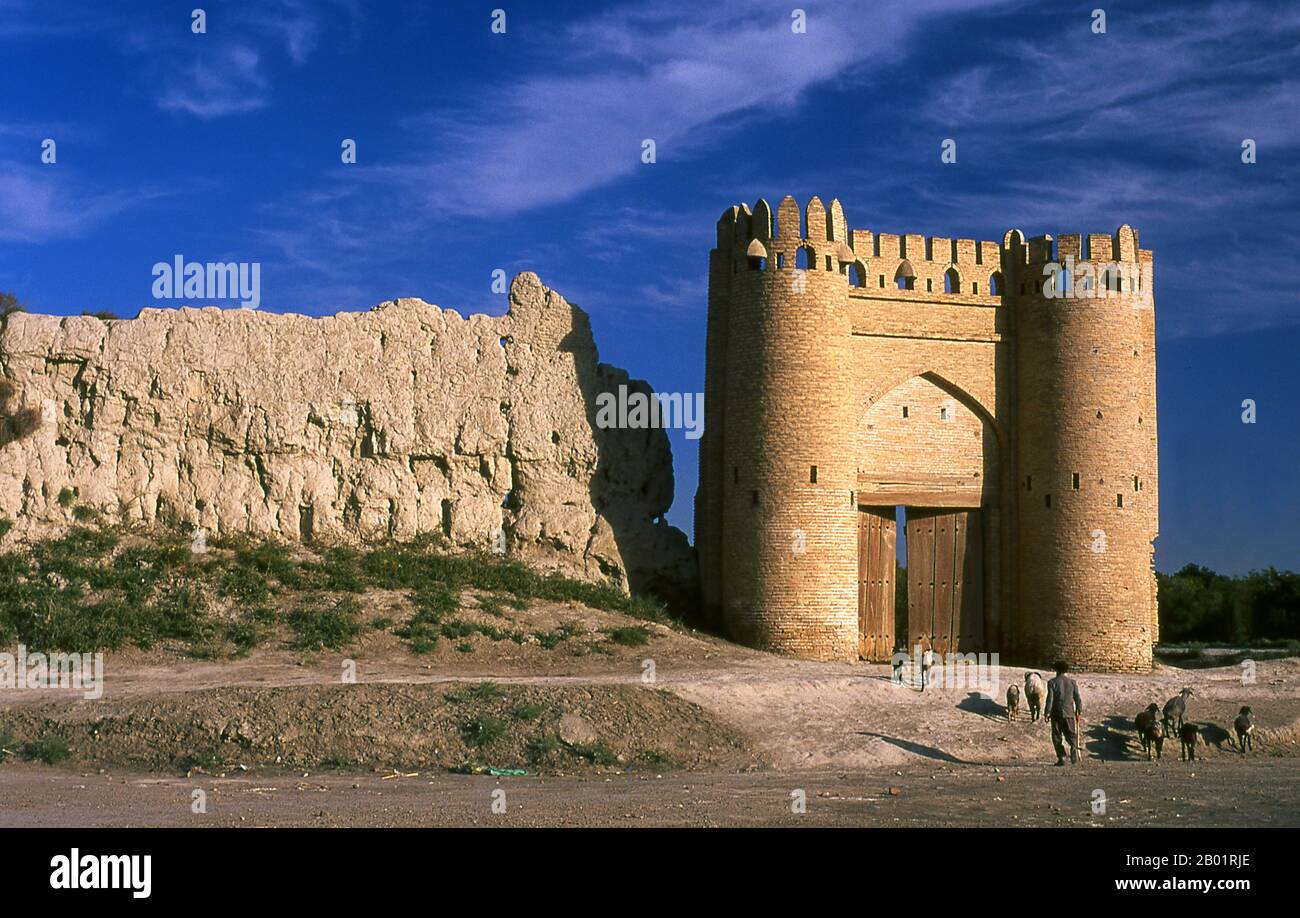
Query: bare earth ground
736, 734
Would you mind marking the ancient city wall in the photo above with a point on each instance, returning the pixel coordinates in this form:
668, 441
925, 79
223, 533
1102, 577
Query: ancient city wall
402, 420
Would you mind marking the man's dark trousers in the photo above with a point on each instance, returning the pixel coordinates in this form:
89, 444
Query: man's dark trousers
1064, 738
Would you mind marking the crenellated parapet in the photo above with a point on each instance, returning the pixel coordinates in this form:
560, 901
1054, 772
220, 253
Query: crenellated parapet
881, 264
1074, 265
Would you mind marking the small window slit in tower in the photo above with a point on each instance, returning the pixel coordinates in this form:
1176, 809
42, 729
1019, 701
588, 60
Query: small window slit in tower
812, 475
1074, 480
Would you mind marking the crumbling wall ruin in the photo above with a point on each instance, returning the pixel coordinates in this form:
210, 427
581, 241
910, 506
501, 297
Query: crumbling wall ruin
403, 420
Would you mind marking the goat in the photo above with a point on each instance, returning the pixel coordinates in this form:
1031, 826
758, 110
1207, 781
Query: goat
1150, 730
1175, 708
1244, 727
1013, 701
1187, 733
1035, 691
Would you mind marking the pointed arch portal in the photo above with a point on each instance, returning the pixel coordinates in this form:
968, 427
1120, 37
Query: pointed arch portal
928, 459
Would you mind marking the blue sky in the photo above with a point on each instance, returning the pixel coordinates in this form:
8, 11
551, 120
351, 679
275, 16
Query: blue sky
521, 151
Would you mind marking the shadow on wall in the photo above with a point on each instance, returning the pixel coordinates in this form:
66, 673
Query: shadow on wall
659, 559
16, 422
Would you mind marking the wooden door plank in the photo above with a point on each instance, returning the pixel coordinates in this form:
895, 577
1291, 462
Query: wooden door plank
920, 578
862, 584
875, 551
944, 559
960, 535
972, 607
889, 547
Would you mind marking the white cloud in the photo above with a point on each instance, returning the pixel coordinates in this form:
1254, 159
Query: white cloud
220, 82
672, 72
41, 203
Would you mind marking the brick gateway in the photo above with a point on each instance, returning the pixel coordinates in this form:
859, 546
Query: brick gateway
1004, 394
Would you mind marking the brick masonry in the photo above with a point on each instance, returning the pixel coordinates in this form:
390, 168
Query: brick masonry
928, 371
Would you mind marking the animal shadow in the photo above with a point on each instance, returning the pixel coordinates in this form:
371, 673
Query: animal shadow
1216, 736
1109, 739
974, 703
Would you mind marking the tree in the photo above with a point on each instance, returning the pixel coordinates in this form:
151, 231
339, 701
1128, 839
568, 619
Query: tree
1197, 604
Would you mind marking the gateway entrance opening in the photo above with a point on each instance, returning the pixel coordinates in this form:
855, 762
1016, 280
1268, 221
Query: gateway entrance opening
943, 555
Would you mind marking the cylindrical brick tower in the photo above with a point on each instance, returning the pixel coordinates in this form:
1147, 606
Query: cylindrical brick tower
789, 527
1085, 450
733, 238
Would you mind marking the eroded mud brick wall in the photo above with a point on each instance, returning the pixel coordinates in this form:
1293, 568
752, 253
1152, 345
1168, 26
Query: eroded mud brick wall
402, 420
926, 371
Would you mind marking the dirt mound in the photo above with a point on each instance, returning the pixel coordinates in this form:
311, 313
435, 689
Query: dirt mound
544, 728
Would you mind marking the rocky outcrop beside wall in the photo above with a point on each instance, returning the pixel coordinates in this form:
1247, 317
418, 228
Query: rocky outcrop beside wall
403, 420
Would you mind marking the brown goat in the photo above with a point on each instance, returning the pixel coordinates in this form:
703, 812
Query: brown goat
1013, 702
1244, 727
1150, 730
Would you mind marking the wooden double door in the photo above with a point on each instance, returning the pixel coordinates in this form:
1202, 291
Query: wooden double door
945, 580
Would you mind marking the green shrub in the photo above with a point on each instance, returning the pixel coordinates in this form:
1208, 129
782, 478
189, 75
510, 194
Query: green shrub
48, 749
542, 747
482, 730
83, 513
86, 590
596, 753
528, 711
332, 627
486, 691
629, 636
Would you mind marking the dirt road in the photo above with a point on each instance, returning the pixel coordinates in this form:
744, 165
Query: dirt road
1226, 793
843, 734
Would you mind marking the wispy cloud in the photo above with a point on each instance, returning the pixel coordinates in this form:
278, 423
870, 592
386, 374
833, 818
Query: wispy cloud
300, 25
219, 73
44, 203
222, 82
1200, 74
677, 73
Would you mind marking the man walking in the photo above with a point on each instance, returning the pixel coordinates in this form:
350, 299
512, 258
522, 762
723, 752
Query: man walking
1064, 707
